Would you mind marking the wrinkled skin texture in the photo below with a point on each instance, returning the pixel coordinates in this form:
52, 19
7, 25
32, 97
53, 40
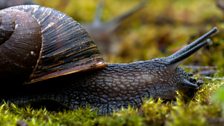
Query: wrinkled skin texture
111, 88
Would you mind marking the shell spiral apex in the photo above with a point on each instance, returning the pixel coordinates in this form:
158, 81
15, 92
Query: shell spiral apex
63, 45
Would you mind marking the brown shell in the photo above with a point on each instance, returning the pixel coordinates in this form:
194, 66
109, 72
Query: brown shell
9, 3
65, 46
19, 45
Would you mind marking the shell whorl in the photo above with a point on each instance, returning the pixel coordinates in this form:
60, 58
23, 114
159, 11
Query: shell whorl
65, 45
20, 45
10, 3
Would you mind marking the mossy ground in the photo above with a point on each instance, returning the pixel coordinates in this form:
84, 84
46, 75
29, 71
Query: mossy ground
206, 108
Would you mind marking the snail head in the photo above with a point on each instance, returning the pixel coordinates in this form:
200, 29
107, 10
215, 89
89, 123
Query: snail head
169, 77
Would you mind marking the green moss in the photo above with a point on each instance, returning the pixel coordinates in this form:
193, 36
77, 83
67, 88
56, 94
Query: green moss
125, 117
205, 108
155, 112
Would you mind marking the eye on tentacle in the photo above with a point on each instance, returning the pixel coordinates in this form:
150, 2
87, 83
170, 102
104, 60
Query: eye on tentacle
190, 49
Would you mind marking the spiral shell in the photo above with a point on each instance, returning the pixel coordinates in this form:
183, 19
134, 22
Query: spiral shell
61, 45
9, 3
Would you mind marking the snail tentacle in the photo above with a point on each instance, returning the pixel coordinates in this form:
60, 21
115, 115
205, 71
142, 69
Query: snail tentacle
188, 50
189, 84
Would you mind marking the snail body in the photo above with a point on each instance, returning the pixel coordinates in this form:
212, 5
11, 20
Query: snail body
64, 65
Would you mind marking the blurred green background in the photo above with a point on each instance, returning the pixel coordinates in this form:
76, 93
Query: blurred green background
157, 30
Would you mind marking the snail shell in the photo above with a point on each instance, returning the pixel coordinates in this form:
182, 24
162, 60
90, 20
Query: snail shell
39, 43
9, 3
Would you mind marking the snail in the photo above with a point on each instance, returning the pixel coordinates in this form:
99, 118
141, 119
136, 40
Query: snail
9, 3
47, 57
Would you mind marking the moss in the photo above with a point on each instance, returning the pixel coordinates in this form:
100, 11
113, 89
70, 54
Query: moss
125, 117
155, 111
207, 107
